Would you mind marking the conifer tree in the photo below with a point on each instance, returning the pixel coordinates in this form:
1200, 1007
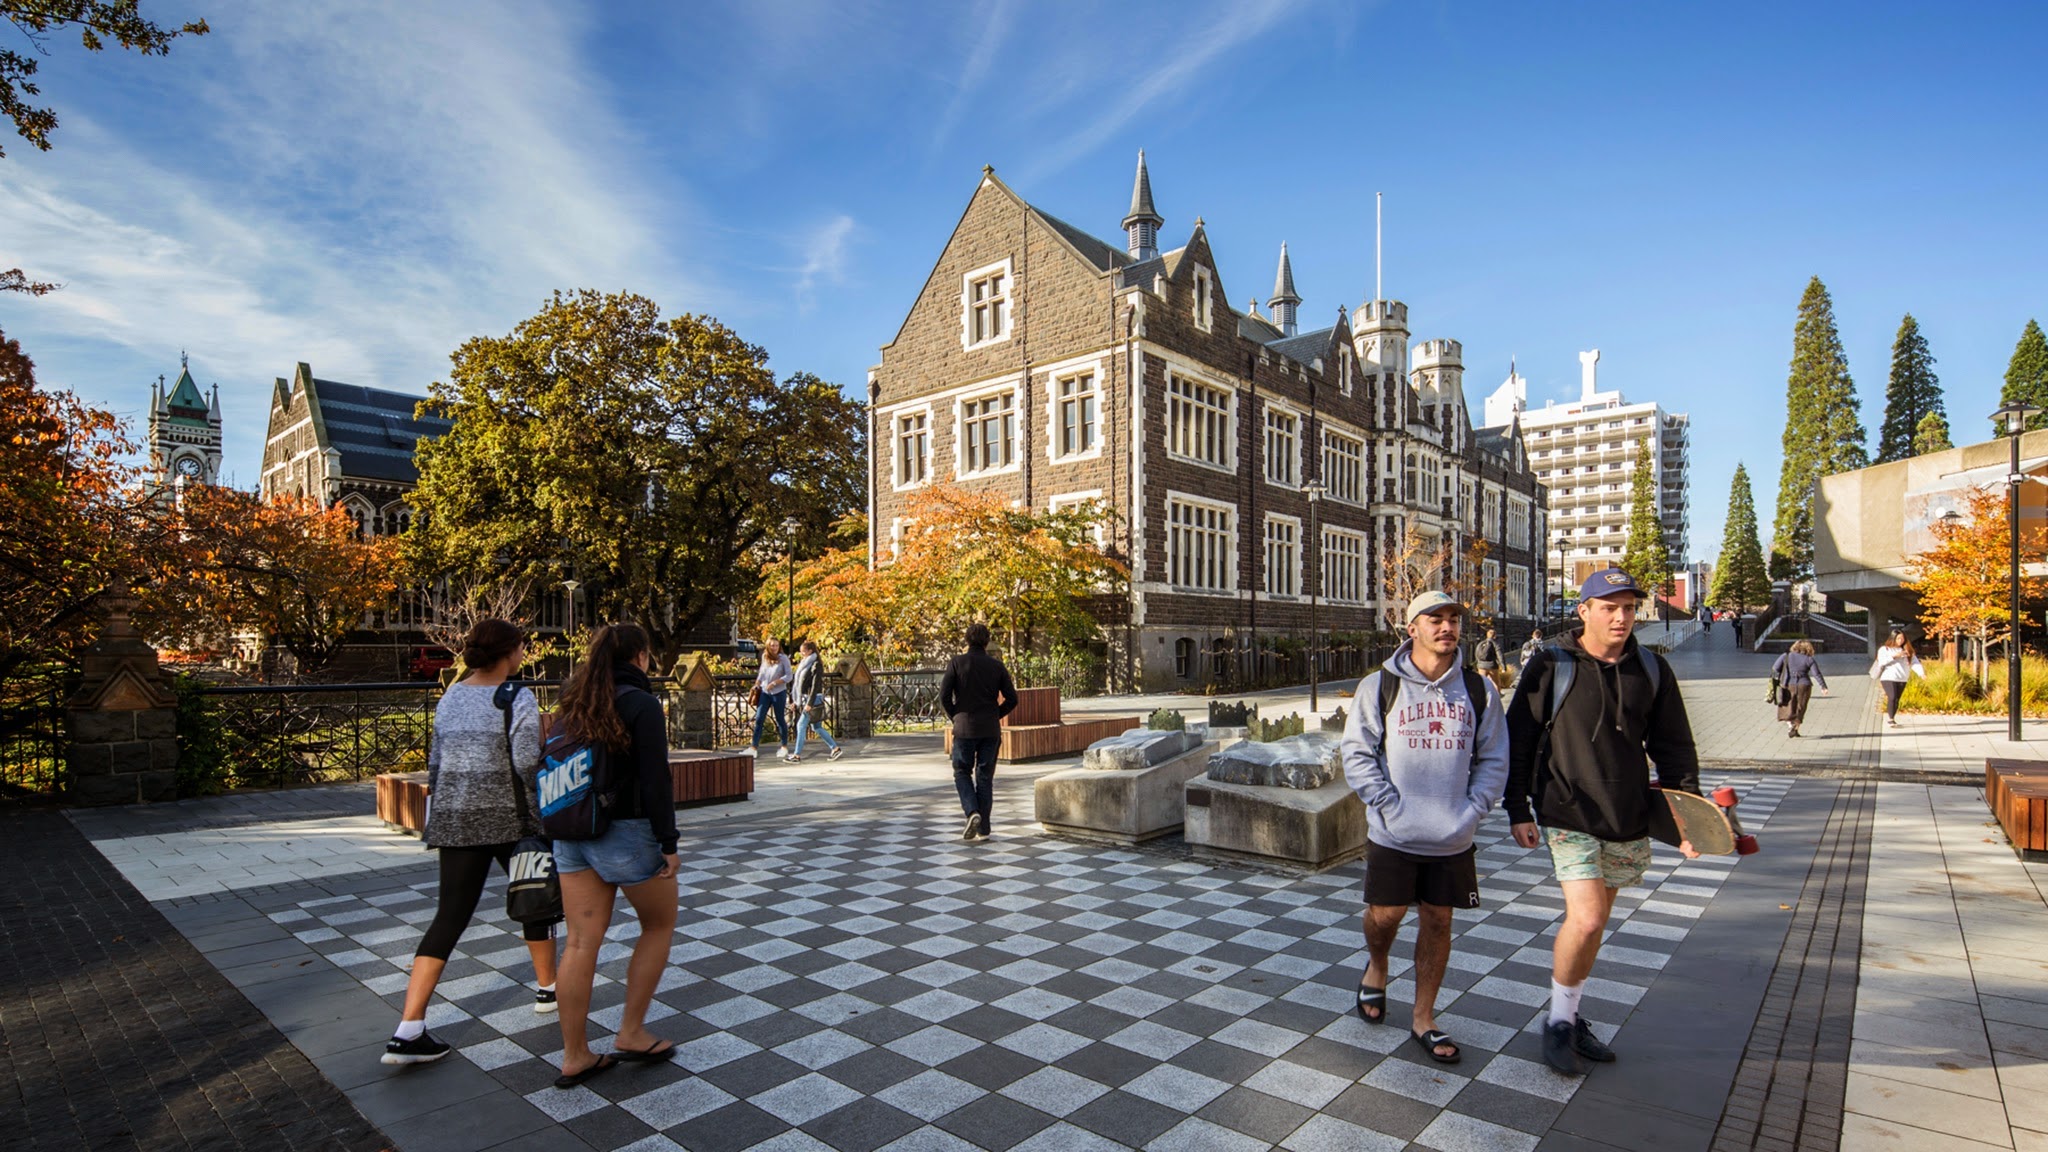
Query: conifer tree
1912, 394
1645, 557
1931, 435
1740, 581
1823, 429
2026, 377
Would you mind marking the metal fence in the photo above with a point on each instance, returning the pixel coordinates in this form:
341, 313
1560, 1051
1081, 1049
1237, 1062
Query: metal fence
732, 717
285, 735
32, 738
908, 701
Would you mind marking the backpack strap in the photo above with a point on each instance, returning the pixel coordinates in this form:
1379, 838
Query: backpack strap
1475, 687
1390, 687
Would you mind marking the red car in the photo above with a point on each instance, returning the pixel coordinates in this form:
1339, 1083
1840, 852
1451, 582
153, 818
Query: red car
427, 663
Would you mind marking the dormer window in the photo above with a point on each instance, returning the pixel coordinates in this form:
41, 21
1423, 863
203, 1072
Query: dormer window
985, 306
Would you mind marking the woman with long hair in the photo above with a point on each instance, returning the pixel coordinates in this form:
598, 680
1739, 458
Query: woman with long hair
609, 701
1797, 672
1895, 664
480, 753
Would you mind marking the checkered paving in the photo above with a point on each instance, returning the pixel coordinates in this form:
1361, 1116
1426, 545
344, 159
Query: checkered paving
864, 980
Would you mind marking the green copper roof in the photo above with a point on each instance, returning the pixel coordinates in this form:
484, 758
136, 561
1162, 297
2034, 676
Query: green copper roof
185, 401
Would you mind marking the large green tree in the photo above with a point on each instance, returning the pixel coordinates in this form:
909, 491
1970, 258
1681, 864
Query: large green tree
1911, 395
1740, 580
1645, 557
2026, 375
647, 457
1823, 429
1931, 435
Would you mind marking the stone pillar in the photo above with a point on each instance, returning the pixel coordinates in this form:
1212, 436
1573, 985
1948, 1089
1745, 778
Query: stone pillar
122, 721
693, 677
857, 719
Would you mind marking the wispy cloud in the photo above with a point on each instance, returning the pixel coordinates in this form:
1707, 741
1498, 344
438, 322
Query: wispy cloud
975, 69
824, 252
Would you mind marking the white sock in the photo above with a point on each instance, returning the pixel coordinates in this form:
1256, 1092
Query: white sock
1564, 1002
547, 987
410, 1029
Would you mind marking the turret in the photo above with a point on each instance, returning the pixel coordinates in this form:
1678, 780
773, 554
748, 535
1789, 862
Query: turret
1141, 227
1285, 300
1380, 331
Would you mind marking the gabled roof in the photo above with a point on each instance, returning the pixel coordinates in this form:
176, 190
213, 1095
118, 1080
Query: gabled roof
1258, 328
1306, 347
185, 400
374, 430
1498, 440
1100, 253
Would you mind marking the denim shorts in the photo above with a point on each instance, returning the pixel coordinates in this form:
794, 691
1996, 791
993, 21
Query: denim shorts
627, 854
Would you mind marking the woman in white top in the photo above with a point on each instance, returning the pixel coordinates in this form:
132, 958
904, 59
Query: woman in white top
1895, 665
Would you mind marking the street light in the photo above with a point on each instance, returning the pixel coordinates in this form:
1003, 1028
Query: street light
2015, 415
1563, 542
572, 586
1314, 490
790, 528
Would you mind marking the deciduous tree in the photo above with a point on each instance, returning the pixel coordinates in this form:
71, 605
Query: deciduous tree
96, 22
1965, 581
1417, 564
1911, 396
1823, 429
647, 457
1740, 580
1645, 557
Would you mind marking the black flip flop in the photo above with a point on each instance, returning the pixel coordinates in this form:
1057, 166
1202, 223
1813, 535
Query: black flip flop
1371, 997
663, 1050
1434, 1039
605, 1063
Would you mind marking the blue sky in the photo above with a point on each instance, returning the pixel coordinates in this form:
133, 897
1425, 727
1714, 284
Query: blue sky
365, 186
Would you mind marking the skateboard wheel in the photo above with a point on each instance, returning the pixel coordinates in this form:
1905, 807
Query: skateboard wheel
1725, 796
1745, 845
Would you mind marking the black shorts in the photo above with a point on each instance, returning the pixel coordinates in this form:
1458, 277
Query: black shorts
1397, 879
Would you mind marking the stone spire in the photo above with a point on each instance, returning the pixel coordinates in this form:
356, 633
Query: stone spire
1285, 299
1141, 227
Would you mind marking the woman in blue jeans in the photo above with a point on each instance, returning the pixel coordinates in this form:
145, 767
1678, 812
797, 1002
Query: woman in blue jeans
609, 700
771, 687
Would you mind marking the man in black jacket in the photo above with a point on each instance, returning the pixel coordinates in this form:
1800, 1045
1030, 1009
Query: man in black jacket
976, 693
1587, 771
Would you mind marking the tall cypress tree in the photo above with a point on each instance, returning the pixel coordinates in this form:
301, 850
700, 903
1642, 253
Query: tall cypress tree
1823, 429
1644, 557
2026, 377
1740, 581
1912, 394
1931, 435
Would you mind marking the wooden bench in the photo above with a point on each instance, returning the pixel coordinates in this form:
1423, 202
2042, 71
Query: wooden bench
2017, 793
402, 801
1044, 741
710, 777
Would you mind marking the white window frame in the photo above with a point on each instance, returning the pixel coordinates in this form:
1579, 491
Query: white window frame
896, 461
1290, 565
1227, 412
1074, 499
1006, 313
1055, 411
1205, 299
1335, 563
1517, 591
1224, 538
1292, 480
1015, 420
1331, 461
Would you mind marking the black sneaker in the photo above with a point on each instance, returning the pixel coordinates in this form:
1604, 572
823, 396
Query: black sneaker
1589, 1045
421, 1049
544, 1000
1559, 1051
973, 829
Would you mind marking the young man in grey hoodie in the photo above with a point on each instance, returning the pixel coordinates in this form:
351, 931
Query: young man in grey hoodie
1429, 768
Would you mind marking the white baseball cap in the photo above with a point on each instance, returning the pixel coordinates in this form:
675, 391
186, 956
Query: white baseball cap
1432, 601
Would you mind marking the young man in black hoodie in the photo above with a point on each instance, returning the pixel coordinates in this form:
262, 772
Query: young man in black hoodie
1586, 770
976, 693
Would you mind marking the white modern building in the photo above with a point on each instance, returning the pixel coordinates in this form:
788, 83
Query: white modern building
1584, 451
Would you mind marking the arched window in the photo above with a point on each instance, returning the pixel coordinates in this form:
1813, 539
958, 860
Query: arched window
1184, 657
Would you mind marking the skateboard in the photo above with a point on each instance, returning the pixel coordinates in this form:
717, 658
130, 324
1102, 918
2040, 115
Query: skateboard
1711, 825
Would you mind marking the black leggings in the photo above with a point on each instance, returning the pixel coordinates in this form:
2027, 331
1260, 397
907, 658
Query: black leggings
1893, 689
462, 884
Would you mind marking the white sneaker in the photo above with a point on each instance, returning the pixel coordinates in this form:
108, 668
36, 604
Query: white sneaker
835, 753
782, 753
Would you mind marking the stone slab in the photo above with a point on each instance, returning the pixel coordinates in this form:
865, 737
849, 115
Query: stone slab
1119, 806
1138, 748
1308, 829
1311, 760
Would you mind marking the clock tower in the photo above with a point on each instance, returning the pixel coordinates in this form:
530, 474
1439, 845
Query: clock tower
184, 431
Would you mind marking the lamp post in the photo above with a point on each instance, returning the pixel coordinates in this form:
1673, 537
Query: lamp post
790, 528
1563, 542
572, 586
1314, 490
2015, 415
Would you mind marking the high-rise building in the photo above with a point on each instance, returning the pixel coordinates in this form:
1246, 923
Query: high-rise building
1584, 451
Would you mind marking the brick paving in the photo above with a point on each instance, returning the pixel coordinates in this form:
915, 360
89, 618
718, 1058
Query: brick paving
1788, 1093
115, 1033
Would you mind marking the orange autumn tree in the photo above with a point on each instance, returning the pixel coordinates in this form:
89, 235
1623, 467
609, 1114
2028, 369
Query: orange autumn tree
285, 568
1965, 581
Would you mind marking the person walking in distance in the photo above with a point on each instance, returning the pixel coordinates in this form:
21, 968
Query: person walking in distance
1579, 767
771, 693
810, 708
1529, 649
976, 693
1895, 664
1426, 748
610, 701
1487, 657
1705, 616
1797, 672
478, 755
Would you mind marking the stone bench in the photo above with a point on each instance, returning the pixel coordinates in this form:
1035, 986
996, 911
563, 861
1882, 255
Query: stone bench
1283, 804
1130, 787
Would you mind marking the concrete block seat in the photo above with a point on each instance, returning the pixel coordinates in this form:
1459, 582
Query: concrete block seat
1283, 804
1130, 787
1034, 731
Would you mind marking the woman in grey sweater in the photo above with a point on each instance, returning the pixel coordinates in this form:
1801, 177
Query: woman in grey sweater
473, 818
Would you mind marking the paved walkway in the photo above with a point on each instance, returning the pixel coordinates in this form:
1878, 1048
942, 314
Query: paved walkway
847, 975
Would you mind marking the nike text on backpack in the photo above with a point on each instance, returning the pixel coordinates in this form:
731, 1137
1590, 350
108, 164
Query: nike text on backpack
533, 893
576, 787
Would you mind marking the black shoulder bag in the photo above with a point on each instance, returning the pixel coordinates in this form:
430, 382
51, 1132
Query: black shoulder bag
533, 893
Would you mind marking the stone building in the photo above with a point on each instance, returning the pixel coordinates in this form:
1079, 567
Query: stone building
1053, 367
347, 445
184, 438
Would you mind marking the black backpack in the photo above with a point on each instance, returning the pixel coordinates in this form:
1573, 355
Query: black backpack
1564, 668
